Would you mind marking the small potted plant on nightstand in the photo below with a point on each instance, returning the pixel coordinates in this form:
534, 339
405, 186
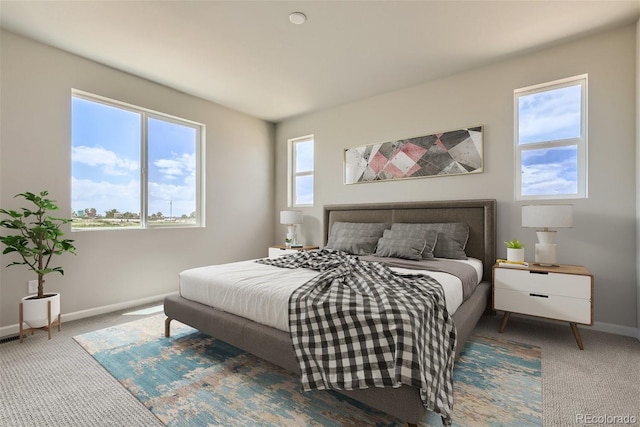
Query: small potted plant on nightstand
515, 251
36, 237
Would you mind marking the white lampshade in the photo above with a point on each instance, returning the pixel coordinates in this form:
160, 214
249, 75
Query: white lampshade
547, 216
291, 217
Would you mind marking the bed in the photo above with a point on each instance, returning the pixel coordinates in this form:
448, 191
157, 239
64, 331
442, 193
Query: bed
275, 345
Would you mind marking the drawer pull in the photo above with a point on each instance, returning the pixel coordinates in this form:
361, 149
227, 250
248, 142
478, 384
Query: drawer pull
539, 295
539, 272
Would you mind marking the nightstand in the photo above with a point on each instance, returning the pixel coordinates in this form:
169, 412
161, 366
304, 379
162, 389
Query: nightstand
279, 250
563, 292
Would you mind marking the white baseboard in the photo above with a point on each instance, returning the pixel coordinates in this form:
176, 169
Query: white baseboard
68, 317
617, 329
609, 328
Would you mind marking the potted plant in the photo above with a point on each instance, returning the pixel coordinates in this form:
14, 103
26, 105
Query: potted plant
36, 237
515, 250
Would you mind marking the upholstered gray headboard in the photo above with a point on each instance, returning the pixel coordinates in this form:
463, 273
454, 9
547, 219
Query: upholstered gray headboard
480, 215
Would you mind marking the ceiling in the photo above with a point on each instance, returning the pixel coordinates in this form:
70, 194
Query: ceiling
248, 56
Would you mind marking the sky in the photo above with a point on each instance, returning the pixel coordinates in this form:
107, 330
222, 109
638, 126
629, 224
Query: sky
304, 163
106, 157
547, 116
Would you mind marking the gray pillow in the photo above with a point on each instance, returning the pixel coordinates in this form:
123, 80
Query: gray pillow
357, 238
354, 246
408, 248
448, 247
451, 241
429, 237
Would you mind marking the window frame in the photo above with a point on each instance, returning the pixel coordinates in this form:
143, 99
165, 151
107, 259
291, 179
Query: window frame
580, 142
292, 174
145, 115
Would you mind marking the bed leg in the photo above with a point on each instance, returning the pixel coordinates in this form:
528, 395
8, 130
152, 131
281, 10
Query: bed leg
167, 329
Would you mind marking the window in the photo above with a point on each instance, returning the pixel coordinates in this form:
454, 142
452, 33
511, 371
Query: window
132, 167
301, 171
551, 140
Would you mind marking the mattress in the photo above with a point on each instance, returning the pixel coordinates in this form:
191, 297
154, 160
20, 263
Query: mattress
261, 292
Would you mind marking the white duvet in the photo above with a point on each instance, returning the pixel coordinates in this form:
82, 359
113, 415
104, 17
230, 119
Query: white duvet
261, 292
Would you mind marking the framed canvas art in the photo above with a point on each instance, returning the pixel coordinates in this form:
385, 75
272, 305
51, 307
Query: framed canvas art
456, 152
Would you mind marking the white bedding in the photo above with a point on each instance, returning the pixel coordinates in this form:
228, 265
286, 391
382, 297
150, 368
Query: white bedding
261, 292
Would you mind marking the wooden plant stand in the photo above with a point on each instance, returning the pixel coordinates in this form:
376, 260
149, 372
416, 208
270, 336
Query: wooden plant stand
57, 322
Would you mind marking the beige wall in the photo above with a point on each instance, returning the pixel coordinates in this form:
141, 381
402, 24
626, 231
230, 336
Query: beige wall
117, 268
638, 176
603, 238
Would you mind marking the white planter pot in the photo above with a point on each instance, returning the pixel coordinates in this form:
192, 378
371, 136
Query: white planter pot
516, 255
35, 310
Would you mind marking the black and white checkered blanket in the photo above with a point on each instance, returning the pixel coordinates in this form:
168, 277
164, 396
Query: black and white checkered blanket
359, 324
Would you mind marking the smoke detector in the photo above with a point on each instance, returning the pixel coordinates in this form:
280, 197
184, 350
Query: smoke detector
297, 18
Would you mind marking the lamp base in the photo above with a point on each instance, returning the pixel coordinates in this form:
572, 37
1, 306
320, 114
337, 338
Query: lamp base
291, 236
546, 254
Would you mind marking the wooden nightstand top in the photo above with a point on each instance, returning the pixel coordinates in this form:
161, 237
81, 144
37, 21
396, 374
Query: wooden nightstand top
562, 268
304, 248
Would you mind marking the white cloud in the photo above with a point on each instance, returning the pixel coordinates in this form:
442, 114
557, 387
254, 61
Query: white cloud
546, 179
103, 196
553, 114
166, 197
109, 161
178, 166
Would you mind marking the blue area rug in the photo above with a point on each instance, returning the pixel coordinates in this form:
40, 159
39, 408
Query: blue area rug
190, 379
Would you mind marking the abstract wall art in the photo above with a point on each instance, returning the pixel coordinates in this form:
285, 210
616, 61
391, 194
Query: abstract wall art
457, 152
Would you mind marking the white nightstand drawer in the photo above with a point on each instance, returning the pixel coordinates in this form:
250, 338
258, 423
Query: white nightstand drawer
276, 252
544, 305
280, 250
548, 283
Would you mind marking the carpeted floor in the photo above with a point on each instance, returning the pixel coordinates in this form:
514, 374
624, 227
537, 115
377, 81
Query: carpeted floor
57, 383
579, 385
192, 379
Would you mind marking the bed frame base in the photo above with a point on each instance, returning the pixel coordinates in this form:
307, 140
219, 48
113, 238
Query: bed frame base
275, 346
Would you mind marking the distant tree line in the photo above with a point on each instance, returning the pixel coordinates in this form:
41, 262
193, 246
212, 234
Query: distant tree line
113, 213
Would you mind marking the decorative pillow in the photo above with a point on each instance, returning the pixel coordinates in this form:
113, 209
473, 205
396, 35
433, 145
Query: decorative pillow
357, 238
408, 248
354, 246
448, 247
451, 241
429, 238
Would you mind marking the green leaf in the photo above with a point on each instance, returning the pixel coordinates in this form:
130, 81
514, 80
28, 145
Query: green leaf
514, 244
37, 236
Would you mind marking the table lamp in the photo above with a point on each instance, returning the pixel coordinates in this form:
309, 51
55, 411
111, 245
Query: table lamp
291, 218
545, 217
